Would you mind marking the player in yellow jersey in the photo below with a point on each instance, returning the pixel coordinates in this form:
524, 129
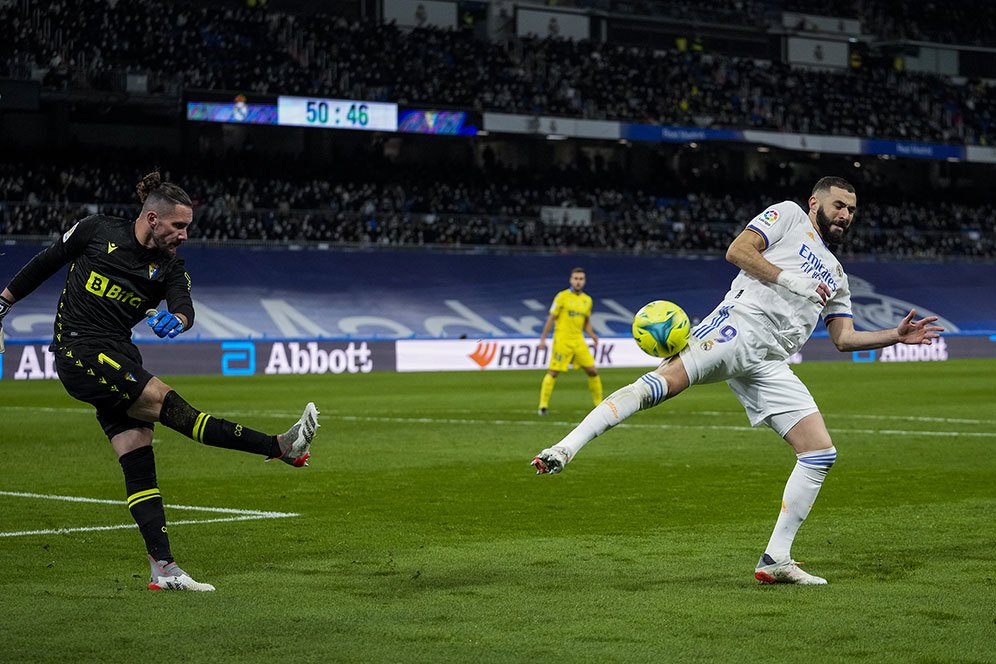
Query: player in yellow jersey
570, 314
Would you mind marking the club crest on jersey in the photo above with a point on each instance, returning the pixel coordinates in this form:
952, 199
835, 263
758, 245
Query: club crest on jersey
111, 247
840, 272
153, 270
708, 344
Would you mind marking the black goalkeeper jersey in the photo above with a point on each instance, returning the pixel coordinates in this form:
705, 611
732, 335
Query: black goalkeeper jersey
112, 281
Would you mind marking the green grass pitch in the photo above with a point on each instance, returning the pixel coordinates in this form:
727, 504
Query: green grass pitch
423, 535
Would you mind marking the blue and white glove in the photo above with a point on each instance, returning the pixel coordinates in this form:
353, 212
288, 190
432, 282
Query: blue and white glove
4, 308
164, 324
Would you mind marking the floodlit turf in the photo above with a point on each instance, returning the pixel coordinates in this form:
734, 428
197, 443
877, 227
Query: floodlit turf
424, 536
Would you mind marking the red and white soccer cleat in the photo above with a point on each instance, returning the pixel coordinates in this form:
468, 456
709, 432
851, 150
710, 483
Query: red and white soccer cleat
169, 576
295, 445
787, 571
550, 461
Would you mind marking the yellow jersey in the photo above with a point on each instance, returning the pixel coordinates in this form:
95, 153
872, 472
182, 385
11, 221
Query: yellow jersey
571, 310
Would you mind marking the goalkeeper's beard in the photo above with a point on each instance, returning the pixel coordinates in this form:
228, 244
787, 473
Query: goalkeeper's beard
163, 246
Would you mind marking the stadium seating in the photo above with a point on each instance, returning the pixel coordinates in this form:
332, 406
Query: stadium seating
272, 52
221, 46
485, 212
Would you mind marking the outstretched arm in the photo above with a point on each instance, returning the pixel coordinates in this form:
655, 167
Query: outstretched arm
909, 331
44, 265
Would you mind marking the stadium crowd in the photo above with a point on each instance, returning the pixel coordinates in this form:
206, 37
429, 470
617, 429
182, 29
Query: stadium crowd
500, 210
186, 46
967, 22
729, 12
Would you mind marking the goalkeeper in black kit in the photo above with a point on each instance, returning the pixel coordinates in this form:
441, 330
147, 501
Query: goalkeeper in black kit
119, 273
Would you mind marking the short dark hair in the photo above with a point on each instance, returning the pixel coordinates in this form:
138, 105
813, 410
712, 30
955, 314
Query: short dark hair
824, 184
151, 190
579, 269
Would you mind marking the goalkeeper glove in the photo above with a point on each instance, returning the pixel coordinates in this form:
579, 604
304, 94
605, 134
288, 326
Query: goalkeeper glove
807, 287
5, 306
165, 324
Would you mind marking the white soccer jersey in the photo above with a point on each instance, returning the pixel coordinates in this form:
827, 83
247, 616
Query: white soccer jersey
792, 244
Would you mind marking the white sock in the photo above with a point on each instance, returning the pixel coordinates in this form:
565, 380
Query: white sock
800, 493
647, 392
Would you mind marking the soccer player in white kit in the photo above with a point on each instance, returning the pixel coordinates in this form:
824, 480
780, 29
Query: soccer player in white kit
788, 279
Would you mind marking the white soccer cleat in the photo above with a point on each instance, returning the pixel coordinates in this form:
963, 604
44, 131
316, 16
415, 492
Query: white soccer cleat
169, 576
295, 445
551, 461
787, 571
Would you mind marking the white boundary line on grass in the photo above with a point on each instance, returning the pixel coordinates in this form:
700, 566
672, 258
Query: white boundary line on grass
239, 515
705, 413
637, 425
627, 425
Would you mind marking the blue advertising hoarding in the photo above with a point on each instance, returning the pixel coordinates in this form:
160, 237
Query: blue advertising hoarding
914, 150
268, 293
675, 134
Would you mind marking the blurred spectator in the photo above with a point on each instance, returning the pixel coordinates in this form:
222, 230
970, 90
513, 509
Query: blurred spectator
237, 49
502, 209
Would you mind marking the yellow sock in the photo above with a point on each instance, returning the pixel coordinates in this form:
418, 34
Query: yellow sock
546, 390
595, 387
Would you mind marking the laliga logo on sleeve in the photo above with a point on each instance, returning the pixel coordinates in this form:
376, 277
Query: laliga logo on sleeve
767, 218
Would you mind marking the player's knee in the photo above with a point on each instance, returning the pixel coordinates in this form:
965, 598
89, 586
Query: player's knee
156, 391
150, 402
674, 375
131, 440
822, 442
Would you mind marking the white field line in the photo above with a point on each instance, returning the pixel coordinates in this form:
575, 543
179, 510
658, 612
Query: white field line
632, 425
858, 416
636, 425
240, 515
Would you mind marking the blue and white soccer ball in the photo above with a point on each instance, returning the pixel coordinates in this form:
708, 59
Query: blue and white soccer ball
661, 329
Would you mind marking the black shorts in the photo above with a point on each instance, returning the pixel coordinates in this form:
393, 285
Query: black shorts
107, 375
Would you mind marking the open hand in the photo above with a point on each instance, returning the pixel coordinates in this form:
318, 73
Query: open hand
918, 332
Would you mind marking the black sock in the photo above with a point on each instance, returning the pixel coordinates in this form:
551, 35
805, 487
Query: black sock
180, 416
145, 502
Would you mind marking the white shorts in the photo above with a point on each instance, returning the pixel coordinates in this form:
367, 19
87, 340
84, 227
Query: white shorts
742, 350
